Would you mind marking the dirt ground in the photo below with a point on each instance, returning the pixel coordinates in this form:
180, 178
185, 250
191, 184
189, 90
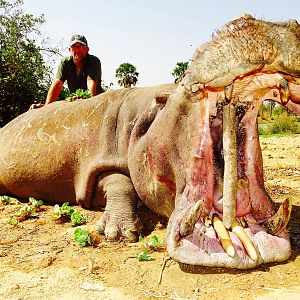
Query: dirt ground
40, 259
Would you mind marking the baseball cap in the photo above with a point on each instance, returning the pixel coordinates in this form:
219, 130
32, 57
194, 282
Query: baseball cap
78, 38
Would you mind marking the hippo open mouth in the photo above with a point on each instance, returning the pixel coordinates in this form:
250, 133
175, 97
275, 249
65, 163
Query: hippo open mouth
224, 216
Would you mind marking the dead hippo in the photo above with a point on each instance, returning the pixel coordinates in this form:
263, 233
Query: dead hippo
189, 152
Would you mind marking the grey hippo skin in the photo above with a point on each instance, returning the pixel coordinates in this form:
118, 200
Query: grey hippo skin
164, 145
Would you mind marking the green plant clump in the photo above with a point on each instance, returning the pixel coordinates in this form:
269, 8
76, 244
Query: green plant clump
82, 237
144, 256
8, 200
77, 218
79, 94
35, 203
65, 213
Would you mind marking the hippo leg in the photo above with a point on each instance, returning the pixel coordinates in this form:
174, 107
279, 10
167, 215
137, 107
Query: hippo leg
119, 219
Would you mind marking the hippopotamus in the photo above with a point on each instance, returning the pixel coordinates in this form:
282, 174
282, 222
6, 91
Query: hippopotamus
189, 152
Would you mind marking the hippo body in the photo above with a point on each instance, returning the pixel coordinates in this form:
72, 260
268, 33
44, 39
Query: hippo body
165, 146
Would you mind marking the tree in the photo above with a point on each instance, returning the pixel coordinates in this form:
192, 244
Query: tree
127, 75
179, 71
24, 75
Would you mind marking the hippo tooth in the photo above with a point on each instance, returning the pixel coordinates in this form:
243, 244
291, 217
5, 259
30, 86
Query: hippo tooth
284, 92
278, 222
230, 165
291, 79
228, 92
238, 230
190, 218
207, 221
195, 87
223, 235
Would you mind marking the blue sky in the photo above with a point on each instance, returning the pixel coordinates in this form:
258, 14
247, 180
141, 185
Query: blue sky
153, 35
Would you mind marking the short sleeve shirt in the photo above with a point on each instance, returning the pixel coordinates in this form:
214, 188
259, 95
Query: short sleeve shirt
91, 70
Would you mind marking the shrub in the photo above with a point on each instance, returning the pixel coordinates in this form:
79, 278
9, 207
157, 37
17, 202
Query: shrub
282, 125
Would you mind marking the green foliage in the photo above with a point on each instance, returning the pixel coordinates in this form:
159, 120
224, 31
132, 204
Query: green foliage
82, 237
24, 75
127, 75
35, 203
62, 213
144, 256
77, 218
280, 125
106, 87
25, 212
65, 213
179, 71
152, 244
79, 94
8, 200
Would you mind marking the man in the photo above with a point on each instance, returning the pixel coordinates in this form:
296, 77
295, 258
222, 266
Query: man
81, 70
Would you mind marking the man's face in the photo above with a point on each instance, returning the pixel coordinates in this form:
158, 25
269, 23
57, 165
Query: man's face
78, 51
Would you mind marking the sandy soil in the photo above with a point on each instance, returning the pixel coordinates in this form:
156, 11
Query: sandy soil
39, 258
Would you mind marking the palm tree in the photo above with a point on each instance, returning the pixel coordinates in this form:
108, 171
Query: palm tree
179, 70
127, 75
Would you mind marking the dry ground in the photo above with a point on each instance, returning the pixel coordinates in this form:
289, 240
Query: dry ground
39, 259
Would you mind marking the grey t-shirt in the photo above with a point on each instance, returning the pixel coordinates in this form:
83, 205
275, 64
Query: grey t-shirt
91, 69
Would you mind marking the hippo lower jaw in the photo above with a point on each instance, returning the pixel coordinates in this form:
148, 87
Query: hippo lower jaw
196, 233
207, 245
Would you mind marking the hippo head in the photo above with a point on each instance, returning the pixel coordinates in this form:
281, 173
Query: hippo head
222, 216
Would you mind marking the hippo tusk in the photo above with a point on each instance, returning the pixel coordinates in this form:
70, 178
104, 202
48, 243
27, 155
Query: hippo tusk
284, 92
223, 236
278, 222
239, 231
230, 165
291, 79
190, 218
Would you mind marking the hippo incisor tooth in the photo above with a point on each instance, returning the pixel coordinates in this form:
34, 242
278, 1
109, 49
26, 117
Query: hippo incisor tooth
223, 236
239, 231
230, 165
278, 222
284, 92
190, 218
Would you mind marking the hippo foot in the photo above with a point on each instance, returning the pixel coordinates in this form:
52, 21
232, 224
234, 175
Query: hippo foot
119, 227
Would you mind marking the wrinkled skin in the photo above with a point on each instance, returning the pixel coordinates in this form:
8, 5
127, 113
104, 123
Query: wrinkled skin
164, 145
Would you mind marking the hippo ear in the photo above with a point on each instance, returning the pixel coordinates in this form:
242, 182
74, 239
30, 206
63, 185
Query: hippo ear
161, 99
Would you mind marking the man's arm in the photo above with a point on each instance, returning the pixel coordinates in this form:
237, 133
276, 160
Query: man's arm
54, 91
92, 86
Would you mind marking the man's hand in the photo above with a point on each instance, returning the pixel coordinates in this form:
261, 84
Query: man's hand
36, 105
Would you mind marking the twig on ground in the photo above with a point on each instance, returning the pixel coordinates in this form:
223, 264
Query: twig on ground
165, 259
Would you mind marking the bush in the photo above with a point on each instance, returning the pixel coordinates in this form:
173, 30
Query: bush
281, 125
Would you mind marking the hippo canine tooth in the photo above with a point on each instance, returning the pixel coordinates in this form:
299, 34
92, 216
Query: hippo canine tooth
239, 231
291, 79
223, 236
284, 92
190, 218
278, 222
